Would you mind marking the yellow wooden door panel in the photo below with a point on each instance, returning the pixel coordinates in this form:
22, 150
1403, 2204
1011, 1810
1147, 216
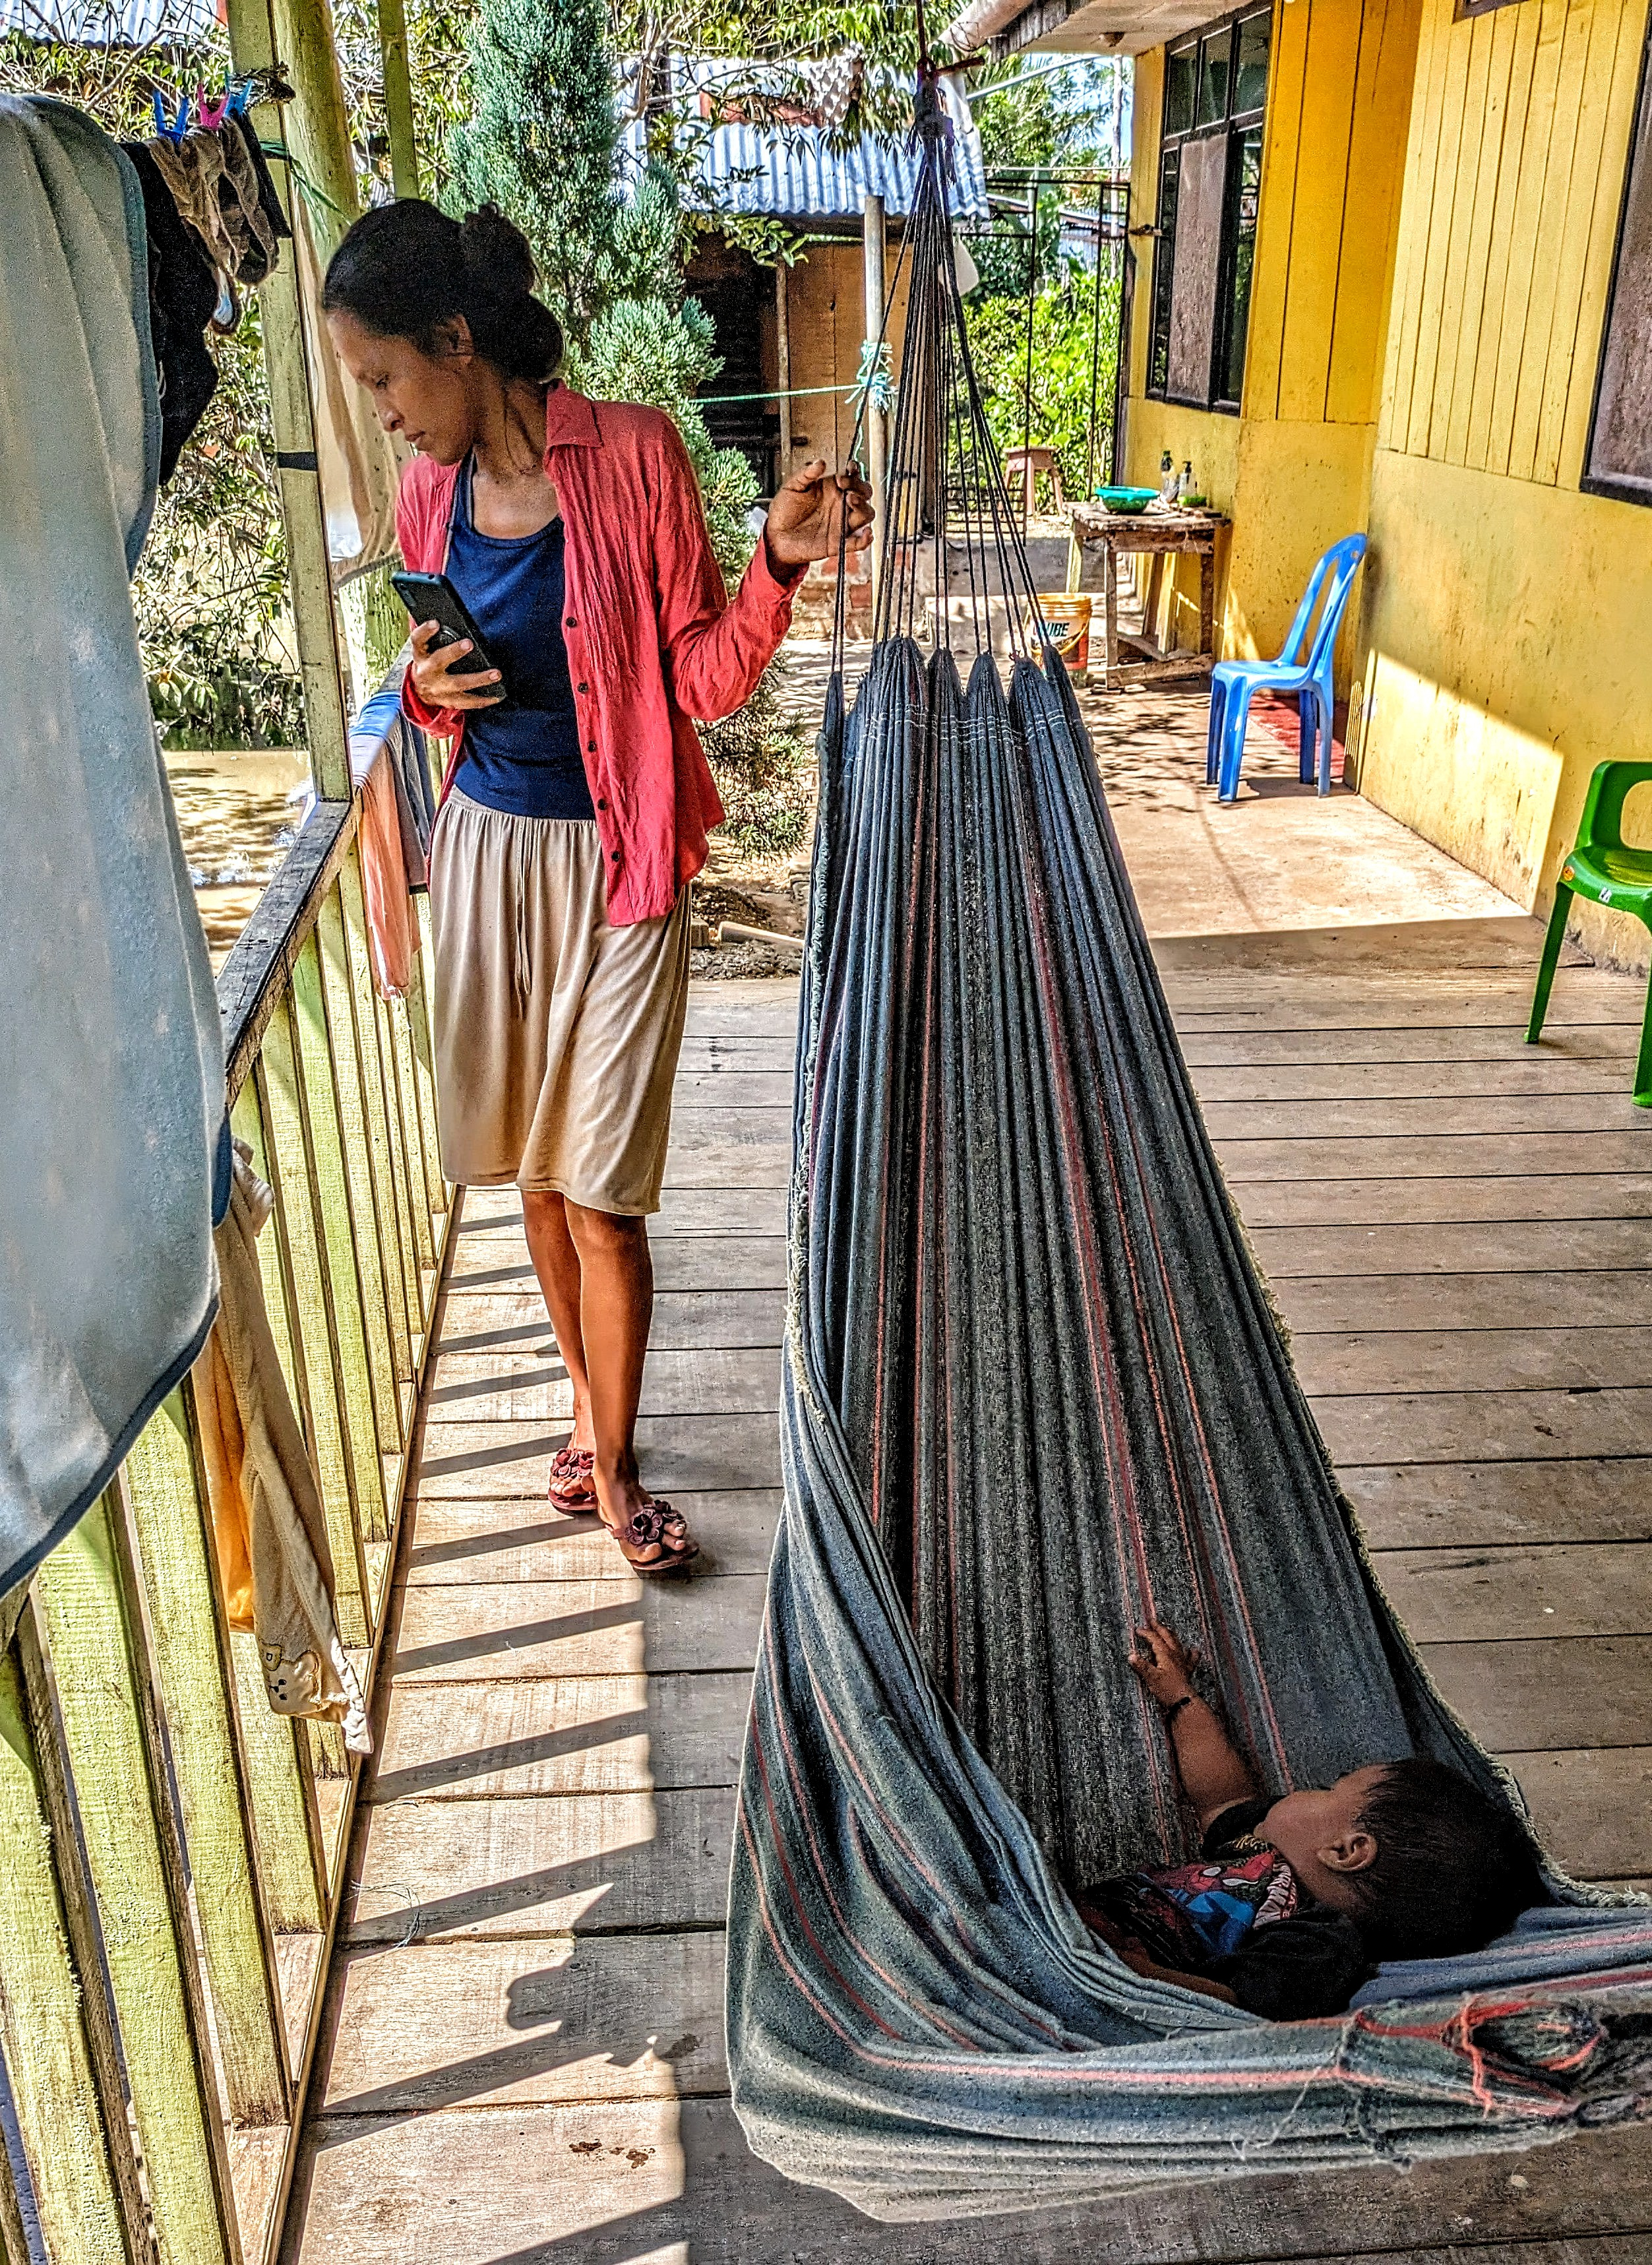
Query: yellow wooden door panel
1325, 133
1448, 144
1276, 217
1523, 232
1551, 287
1417, 212
1366, 281
1524, 23
1496, 34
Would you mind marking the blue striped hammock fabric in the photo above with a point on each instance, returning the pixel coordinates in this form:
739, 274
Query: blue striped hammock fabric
1032, 1395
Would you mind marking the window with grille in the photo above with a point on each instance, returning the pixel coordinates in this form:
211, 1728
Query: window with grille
1209, 185
1619, 462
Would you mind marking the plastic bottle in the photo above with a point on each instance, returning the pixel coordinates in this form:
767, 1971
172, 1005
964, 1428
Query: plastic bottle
1184, 486
1167, 477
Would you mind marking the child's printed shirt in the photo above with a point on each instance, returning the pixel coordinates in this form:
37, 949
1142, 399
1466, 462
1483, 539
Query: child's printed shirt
1238, 1915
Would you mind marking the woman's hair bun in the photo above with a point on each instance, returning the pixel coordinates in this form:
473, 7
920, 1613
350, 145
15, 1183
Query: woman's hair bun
496, 254
405, 269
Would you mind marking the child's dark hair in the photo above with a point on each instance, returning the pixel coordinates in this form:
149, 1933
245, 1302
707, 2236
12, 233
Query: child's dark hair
405, 269
1452, 1868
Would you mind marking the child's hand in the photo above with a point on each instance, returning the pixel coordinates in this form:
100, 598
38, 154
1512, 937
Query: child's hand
1164, 1663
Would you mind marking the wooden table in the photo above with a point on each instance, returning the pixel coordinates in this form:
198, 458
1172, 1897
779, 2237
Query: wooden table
1155, 532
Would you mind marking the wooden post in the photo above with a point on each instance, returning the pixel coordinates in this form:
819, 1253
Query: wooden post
873, 244
782, 362
398, 98
318, 123
292, 414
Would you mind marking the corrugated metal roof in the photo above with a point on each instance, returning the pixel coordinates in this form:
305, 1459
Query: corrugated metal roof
793, 173
112, 23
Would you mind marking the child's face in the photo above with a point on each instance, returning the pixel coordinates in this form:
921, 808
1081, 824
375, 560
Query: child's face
1318, 1830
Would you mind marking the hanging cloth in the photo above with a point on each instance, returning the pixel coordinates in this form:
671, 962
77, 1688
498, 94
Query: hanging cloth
1032, 1397
112, 1081
217, 189
360, 465
182, 293
268, 1524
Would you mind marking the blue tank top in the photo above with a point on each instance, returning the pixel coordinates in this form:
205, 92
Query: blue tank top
523, 756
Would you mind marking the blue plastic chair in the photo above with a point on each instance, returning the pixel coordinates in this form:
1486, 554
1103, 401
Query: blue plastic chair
1234, 683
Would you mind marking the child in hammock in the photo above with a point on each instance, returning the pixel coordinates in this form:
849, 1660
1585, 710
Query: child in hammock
1293, 1902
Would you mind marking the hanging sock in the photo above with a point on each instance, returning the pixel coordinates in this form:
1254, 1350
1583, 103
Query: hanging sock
184, 292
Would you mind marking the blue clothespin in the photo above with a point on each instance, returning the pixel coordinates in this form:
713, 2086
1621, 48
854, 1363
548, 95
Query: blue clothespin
240, 96
175, 132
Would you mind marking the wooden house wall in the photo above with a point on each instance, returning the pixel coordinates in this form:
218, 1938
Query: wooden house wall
1506, 647
1294, 468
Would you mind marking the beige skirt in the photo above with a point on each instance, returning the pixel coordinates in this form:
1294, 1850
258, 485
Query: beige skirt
556, 1035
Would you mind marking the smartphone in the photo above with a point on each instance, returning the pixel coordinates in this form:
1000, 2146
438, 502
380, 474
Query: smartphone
433, 598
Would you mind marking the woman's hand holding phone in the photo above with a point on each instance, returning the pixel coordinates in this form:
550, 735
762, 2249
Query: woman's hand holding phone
438, 679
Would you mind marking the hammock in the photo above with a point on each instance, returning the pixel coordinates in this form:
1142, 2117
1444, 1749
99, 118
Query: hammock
1033, 1394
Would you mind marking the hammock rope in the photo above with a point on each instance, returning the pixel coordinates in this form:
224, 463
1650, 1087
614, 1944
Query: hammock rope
1033, 1393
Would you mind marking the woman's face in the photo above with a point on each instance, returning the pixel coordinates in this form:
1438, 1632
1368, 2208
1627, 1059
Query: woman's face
427, 398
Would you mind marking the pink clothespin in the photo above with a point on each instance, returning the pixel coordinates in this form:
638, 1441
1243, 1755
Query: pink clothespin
211, 114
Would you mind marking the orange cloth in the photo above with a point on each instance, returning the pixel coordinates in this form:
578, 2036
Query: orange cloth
384, 881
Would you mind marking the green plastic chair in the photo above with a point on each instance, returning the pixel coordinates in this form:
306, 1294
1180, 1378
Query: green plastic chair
1601, 868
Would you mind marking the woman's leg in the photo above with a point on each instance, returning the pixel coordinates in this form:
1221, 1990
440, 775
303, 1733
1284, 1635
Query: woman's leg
557, 1264
616, 1307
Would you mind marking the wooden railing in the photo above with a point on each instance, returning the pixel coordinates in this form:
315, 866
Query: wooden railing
174, 1852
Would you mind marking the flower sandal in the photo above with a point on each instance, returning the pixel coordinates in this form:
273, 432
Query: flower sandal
572, 1486
657, 1526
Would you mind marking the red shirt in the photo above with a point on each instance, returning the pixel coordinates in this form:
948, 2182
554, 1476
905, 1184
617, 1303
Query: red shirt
652, 638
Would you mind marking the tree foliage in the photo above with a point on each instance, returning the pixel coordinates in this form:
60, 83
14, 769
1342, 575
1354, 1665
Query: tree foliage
1062, 337
540, 142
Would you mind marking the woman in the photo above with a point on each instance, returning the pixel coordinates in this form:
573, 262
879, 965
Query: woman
576, 799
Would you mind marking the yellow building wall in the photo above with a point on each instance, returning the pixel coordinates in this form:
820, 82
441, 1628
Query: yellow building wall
1505, 638
1293, 468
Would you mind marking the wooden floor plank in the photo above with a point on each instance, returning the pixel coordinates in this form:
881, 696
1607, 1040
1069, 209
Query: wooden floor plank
666, 2182
739, 1377
462, 1742
496, 1540
488, 1631
1546, 1248
1531, 1073
624, 2019
1561, 1590
1319, 1200
1299, 1043
696, 1453
1488, 1504
1590, 1806
1455, 1358
1490, 1300
1382, 1156
579, 1863
1494, 1117
1540, 1698
737, 1167
1443, 1427
730, 1088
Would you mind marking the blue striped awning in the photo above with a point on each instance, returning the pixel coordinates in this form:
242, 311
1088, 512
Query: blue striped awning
112, 23
796, 172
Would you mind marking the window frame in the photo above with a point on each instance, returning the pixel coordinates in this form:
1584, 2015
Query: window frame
1598, 484
1232, 127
